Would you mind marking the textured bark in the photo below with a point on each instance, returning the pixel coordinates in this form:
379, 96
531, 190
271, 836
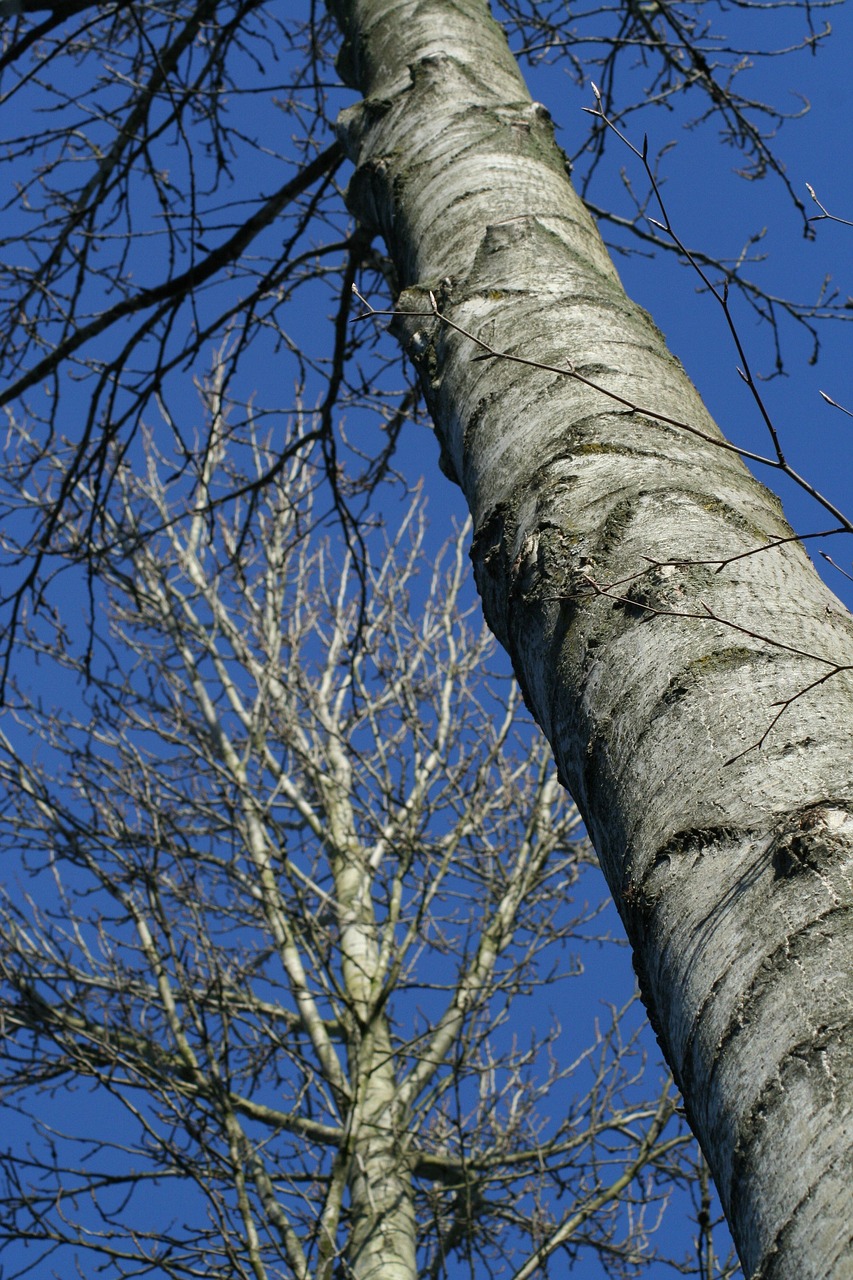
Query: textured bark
733, 877
382, 1245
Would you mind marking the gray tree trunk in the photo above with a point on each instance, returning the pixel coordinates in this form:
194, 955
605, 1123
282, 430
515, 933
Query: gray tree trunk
733, 876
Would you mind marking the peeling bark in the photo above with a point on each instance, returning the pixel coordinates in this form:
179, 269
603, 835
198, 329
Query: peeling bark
731, 865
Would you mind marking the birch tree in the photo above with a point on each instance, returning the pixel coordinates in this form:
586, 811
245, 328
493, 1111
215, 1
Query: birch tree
688, 666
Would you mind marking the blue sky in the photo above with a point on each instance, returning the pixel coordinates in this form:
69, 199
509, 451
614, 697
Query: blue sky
715, 211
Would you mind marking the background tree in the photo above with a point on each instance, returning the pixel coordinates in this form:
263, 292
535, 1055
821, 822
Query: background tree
292, 872
175, 181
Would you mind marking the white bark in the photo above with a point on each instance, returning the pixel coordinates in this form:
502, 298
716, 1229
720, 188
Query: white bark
733, 877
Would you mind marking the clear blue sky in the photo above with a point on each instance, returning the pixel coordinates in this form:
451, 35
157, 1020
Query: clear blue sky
715, 211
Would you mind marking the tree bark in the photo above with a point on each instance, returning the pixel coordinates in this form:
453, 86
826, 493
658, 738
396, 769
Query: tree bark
382, 1243
600, 532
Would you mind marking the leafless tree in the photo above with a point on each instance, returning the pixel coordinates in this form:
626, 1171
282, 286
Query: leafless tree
289, 877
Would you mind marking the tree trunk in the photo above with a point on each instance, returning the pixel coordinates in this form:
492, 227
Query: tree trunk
382, 1245
595, 523
378, 1176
